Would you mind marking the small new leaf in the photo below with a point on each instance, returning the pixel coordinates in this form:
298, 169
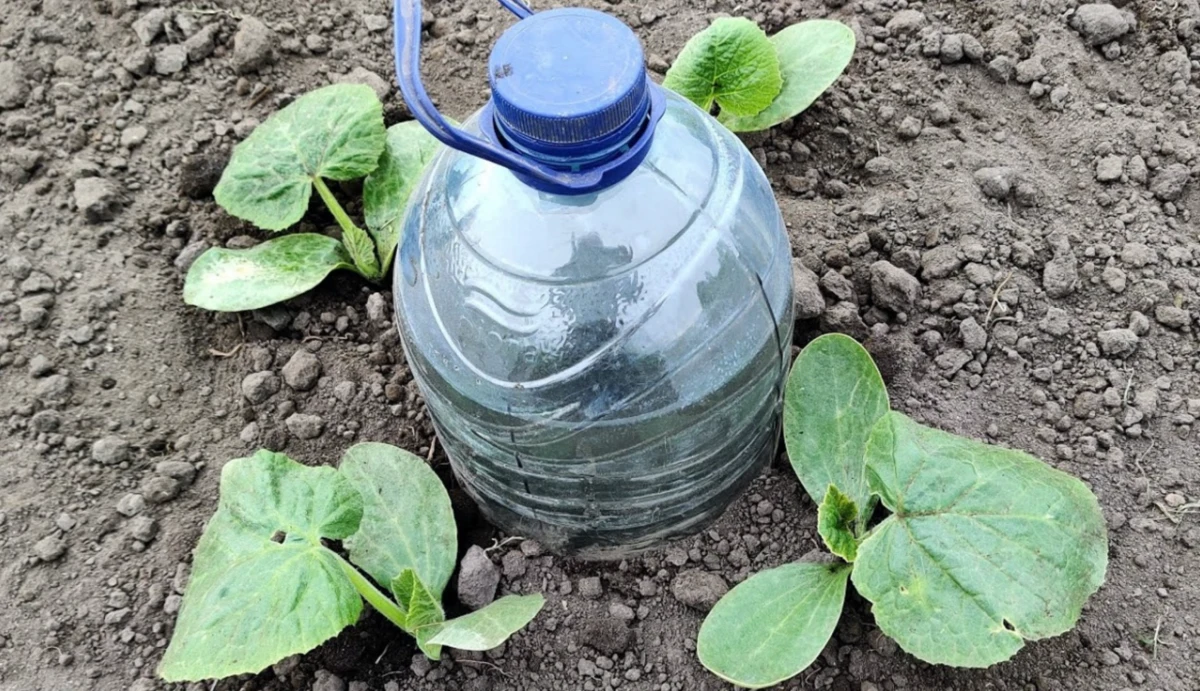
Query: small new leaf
812, 55
774, 624
225, 280
833, 398
253, 600
409, 150
836, 518
986, 547
731, 62
407, 523
422, 609
335, 132
487, 628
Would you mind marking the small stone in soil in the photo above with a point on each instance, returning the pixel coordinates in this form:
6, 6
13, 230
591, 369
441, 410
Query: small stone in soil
55, 388
514, 565
1110, 168
110, 450
1118, 342
143, 528
1100, 23
1060, 277
189, 254
40, 366
150, 25
158, 489
590, 588
98, 199
202, 43
996, 182
807, 301
14, 85
698, 589
253, 46
893, 288
328, 681
305, 426
1169, 183
1172, 316
131, 504
50, 548
171, 59
302, 371
377, 309
180, 470
260, 386
361, 75
1030, 70
477, 579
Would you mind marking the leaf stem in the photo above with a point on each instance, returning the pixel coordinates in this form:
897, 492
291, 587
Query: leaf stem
382, 603
362, 248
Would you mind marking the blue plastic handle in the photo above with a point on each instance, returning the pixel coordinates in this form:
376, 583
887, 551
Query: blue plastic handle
517, 7
407, 22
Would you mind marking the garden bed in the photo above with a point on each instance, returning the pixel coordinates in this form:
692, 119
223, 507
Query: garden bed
1039, 178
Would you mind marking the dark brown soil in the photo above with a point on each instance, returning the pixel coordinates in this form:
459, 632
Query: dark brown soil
1059, 315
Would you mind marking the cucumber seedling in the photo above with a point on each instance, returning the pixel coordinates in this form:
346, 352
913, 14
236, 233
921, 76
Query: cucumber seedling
758, 82
333, 133
984, 547
267, 582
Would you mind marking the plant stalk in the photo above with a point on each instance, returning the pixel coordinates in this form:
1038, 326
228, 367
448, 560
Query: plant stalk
382, 603
357, 241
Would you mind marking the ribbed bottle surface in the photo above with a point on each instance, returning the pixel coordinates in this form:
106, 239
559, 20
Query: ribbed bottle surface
604, 371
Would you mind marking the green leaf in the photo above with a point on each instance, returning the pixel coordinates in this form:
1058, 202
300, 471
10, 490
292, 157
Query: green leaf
362, 251
833, 398
487, 628
774, 624
226, 280
335, 132
422, 609
835, 522
812, 55
407, 520
409, 150
251, 600
732, 62
987, 546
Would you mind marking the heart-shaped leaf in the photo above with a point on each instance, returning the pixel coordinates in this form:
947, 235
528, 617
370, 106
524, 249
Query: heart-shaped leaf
253, 600
986, 546
833, 398
334, 132
487, 628
409, 150
812, 55
423, 611
732, 62
407, 520
774, 624
836, 518
226, 280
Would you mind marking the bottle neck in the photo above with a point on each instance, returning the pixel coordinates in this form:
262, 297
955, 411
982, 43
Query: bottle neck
573, 158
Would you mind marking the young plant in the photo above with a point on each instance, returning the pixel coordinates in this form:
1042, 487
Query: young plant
333, 133
984, 549
268, 582
759, 82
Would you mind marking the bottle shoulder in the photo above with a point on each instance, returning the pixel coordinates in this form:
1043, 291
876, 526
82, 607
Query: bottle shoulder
695, 172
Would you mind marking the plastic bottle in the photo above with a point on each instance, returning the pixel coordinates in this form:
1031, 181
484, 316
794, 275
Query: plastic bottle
594, 292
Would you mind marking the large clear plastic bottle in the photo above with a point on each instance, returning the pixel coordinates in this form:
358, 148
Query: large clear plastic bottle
604, 369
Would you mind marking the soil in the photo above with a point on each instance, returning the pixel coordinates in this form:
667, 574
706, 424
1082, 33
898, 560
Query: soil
1036, 172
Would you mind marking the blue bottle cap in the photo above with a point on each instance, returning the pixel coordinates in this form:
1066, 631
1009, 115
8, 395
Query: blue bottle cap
569, 83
